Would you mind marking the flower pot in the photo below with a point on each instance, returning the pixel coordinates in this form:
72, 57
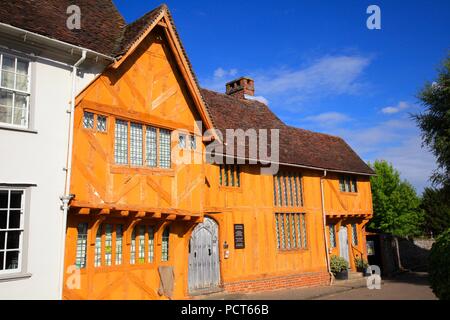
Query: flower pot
342, 275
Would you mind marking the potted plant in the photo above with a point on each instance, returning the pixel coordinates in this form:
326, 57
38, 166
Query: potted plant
361, 265
339, 267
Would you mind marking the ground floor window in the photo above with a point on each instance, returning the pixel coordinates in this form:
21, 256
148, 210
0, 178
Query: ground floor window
165, 245
11, 230
332, 235
354, 234
109, 245
291, 231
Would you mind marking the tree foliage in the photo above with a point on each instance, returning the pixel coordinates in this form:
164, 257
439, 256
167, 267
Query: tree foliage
434, 122
439, 266
436, 207
396, 205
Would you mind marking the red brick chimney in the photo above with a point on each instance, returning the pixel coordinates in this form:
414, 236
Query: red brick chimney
241, 87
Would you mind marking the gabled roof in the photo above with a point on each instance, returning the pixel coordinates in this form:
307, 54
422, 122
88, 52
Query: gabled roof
297, 146
101, 24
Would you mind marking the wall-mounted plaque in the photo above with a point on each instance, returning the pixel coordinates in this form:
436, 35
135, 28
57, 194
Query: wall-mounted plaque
239, 236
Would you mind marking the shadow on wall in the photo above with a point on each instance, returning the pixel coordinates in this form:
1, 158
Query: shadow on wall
394, 254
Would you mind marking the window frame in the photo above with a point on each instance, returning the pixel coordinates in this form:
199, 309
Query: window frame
21, 271
15, 91
348, 184
230, 176
291, 231
146, 160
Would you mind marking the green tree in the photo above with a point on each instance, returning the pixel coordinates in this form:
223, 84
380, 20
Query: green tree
439, 262
434, 123
436, 207
396, 205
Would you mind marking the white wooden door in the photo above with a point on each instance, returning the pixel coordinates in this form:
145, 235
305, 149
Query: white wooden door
204, 272
343, 243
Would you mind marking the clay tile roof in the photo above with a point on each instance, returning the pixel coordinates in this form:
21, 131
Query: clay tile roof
297, 146
134, 30
101, 24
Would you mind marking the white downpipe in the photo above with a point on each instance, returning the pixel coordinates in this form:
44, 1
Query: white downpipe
324, 218
67, 196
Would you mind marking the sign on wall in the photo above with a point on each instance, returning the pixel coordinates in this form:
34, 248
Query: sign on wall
239, 236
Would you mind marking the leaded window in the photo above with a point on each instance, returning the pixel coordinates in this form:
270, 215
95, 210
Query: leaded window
88, 120
164, 147
230, 176
98, 248
133, 247
101, 123
108, 244
151, 244
348, 184
81, 253
193, 142
182, 141
121, 142
354, 234
119, 244
288, 190
332, 235
136, 144
291, 231
151, 147
14, 90
11, 230
165, 245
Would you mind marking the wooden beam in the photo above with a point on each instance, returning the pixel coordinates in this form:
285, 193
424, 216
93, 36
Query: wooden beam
124, 213
171, 217
155, 215
84, 211
104, 211
140, 214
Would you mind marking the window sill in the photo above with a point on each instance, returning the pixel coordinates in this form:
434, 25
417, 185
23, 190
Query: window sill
292, 251
14, 276
227, 188
142, 170
354, 194
3, 127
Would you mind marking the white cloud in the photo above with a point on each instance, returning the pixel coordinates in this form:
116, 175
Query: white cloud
328, 119
327, 75
402, 105
257, 98
221, 73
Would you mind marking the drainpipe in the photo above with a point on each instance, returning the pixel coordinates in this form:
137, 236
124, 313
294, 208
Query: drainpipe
67, 196
324, 218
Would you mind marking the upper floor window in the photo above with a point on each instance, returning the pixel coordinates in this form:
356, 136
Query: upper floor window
91, 121
287, 190
291, 231
14, 91
187, 141
230, 176
140, 145
348, 184
11, 230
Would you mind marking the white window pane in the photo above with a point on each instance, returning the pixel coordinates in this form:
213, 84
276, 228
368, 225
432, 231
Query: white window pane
21, 110
8, 79
165, 152
98, 248
12, 260
165, 245
6, 98
22, 82
22, 67
151, 242
151, 149
141, 244
121, 142
5, 114
136, 144
133, 247
8, 63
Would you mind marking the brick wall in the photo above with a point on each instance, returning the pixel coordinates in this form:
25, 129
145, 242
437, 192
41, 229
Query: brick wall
281, 282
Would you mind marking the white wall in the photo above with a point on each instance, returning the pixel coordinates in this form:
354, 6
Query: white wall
39, 159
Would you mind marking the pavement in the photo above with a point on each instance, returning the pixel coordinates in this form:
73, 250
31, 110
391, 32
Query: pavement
406, 286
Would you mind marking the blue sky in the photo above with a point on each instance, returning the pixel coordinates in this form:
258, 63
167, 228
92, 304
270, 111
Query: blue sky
320, 68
